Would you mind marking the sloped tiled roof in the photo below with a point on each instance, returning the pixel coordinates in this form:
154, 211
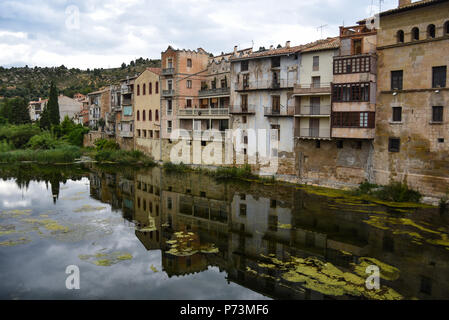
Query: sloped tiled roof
155, 70
411, 6
324, 44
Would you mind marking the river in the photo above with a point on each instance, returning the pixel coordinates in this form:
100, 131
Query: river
148, 234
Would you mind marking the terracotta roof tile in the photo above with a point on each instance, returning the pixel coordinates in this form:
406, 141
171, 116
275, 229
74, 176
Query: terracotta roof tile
155, 70
412, 5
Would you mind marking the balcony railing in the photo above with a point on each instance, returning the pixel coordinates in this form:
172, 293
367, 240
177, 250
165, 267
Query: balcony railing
321, 110
282, 112
203, 135
312, 88
168, 93
264, 84
126, 90
127, 102
313, 133
249, 109
214, 92
203, 112
168, 71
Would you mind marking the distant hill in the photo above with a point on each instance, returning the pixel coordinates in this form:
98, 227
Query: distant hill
32, 83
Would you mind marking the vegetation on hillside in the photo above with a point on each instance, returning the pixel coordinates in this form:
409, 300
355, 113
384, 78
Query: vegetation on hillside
32, 83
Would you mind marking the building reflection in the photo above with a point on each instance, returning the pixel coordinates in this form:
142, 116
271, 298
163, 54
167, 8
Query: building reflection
247, 221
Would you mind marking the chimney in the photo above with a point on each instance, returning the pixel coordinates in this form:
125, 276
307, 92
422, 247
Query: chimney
404, 3
287, 44
235, 50
271, 47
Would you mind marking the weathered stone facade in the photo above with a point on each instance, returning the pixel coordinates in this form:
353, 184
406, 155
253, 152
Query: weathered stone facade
422, 159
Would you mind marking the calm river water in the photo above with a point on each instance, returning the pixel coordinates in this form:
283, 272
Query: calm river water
146, 234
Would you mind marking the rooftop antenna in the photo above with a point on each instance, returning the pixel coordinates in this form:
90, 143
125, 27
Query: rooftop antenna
380, 5
321, 27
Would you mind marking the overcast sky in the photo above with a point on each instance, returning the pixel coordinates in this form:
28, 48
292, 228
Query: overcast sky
106, 33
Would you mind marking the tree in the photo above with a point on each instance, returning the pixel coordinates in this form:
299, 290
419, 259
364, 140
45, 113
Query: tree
53, 105
101, 123
16, 111
123, 66
44, 121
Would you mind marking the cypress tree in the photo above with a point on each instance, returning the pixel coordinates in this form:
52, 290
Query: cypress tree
18, 111
44, 121
53, 105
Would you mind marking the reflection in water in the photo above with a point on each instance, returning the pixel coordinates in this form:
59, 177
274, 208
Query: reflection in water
282, 242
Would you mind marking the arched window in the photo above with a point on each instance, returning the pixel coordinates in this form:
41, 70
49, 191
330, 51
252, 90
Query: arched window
150, 88
446, 28
138, 90
400, 36
138, 115
157, 87
150, 115
157, 115
143, 115
144, 89
431, 31
415, 34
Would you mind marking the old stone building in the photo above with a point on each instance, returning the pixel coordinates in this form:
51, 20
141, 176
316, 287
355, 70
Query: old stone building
125, 114
412, 120
261, 98
147, 112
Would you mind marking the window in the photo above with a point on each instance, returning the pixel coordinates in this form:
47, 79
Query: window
275, 62
156, 115
426, 285
169, 107
358, 145
189, 63
316, 82
157, 87
415, 34
394, 145
244, 65
339, 144
446, 28
400, 36
169, 63
189, 84
277, 127
431, 31
244, 102
144, 133
440, 140
138, 115
439, 77
397, 114
169, 126
318, 144
348, 92
357, 46
352, 65
316, 63
150, 88
244, 119
143, 115
151, 133
138, 89
437, 114
138, 133
243, 209
353, 119
396, 80
150, 115
144, 89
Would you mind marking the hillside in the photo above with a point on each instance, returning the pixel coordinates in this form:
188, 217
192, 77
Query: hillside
32, 83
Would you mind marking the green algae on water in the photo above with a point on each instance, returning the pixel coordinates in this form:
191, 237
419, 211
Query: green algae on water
105, 259
11, 243
89, 208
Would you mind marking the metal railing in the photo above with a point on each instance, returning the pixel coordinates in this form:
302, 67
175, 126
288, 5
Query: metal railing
283, 111
167, 93
313, 133
321, 110
168, 71
216, 91
265, 84
249, 109
204, 112
310, 88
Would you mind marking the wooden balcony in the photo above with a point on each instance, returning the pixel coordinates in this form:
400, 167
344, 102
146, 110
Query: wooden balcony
313, 133
244, 110
281, 112
214, 92
210, 113
313, 111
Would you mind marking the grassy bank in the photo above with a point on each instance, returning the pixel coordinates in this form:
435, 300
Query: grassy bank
65, 154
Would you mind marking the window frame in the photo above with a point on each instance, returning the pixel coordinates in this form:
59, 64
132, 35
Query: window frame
437, 114
442, 77
397, 76
395, 113
391, 145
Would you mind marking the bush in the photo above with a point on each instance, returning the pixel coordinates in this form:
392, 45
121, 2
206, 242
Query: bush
366, 188
5, 146
397, 192
76, 136
175, 168
43, 141
124, 157
19, 135
234, 173
63, 154
105, 144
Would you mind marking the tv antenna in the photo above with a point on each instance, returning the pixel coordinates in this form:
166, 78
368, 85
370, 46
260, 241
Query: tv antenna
321, 29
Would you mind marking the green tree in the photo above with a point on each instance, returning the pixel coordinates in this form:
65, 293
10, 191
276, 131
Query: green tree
16, 111
44, 121
53, 105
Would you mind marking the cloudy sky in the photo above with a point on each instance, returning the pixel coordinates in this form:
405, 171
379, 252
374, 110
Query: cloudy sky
99, 33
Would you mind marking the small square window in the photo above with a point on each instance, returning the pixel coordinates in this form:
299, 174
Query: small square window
188, 191
189, 63
273, 204
394, 145
318, 144
203, 194
441, 140
203, 143
437, 114
340, 144
244, 119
